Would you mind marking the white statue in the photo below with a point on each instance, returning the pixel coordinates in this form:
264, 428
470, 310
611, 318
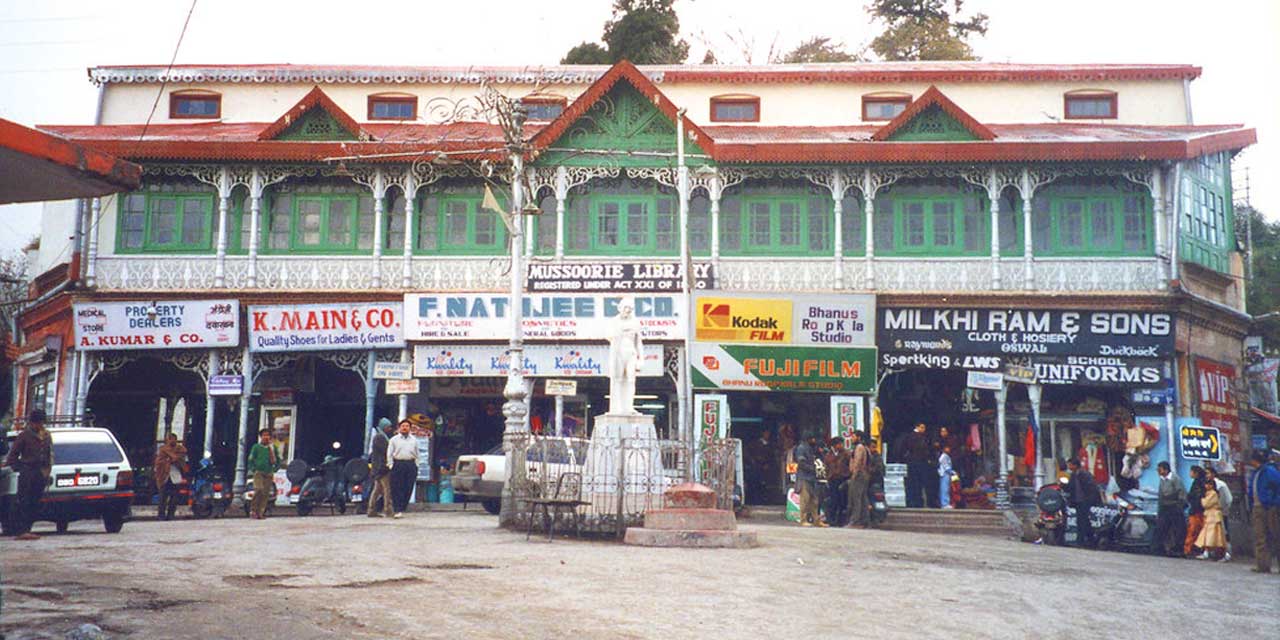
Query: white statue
626, 352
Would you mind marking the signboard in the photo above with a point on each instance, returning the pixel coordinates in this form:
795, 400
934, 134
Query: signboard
560, 387
1200, 443
325, 327
226, 385
1216, 386
620, 277
1005, 332
1020, 372
403, 387
540, 360
749, 367
392, 371
712, 413
846, 417
169, 324
1262, 384
824, 320
433, 317
985, 380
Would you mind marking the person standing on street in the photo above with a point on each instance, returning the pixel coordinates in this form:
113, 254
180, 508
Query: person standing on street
1084, 496
1195, 511
1264, 498
168, 474
1225, 500
1170, 523
944, 477
915, 452
859, 478
1212, 539
402, 456
806, 455
32, 458
837, 462
263, 464
379, 471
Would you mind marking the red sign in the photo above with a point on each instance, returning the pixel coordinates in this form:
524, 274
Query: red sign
1218, 407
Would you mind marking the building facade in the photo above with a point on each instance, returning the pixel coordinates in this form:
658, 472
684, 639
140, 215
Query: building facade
1067, 228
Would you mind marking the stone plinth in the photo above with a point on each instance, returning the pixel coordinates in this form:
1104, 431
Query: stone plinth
690, 520
637, 463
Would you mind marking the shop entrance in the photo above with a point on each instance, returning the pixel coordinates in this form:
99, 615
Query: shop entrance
769, 426
142, 400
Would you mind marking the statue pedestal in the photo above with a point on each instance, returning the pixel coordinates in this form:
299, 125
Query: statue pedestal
624, 452
689, 519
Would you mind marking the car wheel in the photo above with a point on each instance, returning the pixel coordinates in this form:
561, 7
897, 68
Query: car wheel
493, 506
304, 509
61, 526
113, 522
201, 509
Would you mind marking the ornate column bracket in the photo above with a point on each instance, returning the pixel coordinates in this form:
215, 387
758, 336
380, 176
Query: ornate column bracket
562, 199
265, 362
1029, 180
376, 181
665, 176
354, 360
91, 257
578, 176
260, 178
409, 183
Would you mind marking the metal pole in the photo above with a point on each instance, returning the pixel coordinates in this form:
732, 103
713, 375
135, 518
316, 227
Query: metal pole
559, 415
403, 410
1033, 393
1002, 485
215, 364
515, 409
1169, 410
370, 396
684, 397
242, 440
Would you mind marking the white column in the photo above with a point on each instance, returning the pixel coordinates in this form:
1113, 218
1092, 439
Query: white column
1034, 394
713, 194
562, 198
82, 384
868, 212
256, 188
993, 197
837, 218
224, 201
530, 237
1158, 222
379, 219
1028, 265
91, 253
1002, 485
410, 192
242, 437
370, 397
403, 409
215, 364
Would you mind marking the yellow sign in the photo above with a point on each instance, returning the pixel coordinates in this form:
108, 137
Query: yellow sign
759, 320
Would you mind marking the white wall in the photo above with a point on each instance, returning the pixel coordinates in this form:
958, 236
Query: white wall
57, 226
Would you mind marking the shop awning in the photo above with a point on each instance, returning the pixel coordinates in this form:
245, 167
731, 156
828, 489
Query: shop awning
1265, 415
37, 166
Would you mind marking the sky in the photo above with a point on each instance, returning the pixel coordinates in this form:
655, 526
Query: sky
45, 47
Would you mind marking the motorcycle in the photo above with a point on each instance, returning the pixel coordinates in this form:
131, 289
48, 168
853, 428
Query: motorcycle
328, 483
1122, 524
1052, 520
210, 493
879, 507
247, 500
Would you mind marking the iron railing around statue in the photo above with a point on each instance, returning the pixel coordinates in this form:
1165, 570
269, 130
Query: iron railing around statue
621, 479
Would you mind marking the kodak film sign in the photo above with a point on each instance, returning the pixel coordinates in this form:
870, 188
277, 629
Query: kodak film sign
826, 320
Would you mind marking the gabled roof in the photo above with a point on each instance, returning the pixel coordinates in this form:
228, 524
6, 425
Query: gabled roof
932, 97
40, 166
627, 72
315, 99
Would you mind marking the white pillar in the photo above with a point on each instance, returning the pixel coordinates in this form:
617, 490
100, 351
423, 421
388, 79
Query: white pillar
713, 194
379, 219
1158, 222
868, 212
403, 409
993, 197
91, 252
410, 192
370, 397
215, 364
256, 188
837, 219
242, 431
1170, 409
82, 381
1034, 394
1027, 191
224, 201
562, 198
559, 415
1002, 485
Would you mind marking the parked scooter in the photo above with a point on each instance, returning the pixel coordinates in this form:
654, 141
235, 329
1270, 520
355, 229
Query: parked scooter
247, 499
210, 493
1052, 521
323, 484
879, 507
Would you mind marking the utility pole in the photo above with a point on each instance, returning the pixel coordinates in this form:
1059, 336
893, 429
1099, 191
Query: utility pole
516, 407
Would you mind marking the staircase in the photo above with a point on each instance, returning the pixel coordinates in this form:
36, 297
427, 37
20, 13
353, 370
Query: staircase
970, 522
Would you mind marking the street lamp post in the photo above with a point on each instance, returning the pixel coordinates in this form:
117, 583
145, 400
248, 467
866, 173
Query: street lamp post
516, 407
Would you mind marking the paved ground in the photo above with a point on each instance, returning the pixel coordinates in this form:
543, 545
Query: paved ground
457, 575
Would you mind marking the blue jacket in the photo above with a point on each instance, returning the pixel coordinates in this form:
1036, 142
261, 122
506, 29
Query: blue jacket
1264, 483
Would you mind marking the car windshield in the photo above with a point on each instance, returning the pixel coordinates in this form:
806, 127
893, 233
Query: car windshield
90, 447
496, 451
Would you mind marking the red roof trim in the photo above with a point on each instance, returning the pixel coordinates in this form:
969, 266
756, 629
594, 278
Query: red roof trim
119, 174
316, 98
1266, 414
931, 97
623, 70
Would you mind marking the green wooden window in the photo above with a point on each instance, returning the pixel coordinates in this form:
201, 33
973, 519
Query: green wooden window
545, 227
456, 224
1207, 226
853, 223
931, 225
1106, 222
1011, 224
700, 225
165, 222
318, 220
777, 222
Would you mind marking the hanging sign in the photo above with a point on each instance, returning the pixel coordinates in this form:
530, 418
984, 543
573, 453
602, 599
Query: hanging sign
554, 387
1216, 386
226, 385
540, 360
403, 387
749, 367
825, 320
1200, 443
1020, 372
712, 414
985, 380
169, 324
846, 417
433, 317
618, 277
392, 371
325, 327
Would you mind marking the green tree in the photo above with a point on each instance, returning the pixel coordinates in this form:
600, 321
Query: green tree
925, 30
642, 31
1262, 293
817, 49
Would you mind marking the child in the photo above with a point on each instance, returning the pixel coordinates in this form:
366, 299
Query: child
944, 478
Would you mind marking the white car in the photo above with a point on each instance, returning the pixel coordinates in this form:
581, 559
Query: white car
481, 477
91, 479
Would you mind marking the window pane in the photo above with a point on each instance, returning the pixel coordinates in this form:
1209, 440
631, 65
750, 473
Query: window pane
547, 225
365, 221
883, 222
578, 225
637, 224
309, 214
1071, 224
852, 226
665, 225
278, 225
820, 221
731, 224
164, 221
544, 110
735, 111
194, 218
883, 110
607, 225
486, 228
428, 225
1010, 226
339, 231
1041, 224
758, 224
944, 224
133, 220
455, 223
788, 224
913, 224
1102, 224
1089, 107
699, 224
976, 237
196, 107
393, 109
1135, 224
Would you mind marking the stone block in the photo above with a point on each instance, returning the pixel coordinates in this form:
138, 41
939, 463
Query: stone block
689, 495
696, 519
692, 539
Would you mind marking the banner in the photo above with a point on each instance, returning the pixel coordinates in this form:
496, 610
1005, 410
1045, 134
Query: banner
1200, 443
846, 417
1005, 332
798, 319
433, 317
1216, 386
169, 324
712, 413
746, 367
617, 277
540, 360
325, 327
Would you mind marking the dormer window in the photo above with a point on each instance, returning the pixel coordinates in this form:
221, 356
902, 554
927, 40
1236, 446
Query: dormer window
735, 108
195, 104
543, 108
393, 107
884, 106
1089, 104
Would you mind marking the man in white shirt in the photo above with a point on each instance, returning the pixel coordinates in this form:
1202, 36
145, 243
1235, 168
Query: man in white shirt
402, 457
